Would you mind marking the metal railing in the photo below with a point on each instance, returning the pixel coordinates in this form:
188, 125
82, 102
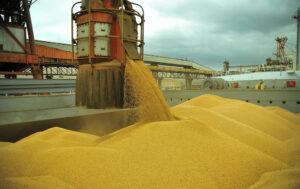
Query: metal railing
35, 86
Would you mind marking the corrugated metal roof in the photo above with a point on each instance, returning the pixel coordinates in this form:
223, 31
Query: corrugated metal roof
173, 62
147, 58
60, 46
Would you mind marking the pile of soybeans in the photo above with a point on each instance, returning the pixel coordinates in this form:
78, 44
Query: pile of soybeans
207, 142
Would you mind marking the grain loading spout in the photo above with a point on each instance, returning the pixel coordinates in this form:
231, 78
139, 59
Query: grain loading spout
107, 32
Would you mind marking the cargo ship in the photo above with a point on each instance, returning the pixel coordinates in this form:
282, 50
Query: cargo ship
276, 83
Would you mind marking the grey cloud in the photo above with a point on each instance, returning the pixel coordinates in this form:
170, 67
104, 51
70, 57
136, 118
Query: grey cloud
235, 15
241, 31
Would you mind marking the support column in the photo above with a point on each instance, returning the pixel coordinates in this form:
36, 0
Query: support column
32, 57
159, 82
29, 27
188, 83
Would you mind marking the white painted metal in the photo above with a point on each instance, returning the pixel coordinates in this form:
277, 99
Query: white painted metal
83, 30
102, 47
8, 43
270, 80
102, 28
102, 43
291, 74
83, 44
83, 47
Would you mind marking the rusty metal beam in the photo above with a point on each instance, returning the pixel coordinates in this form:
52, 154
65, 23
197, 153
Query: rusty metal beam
15, 73
29, 27
35, 68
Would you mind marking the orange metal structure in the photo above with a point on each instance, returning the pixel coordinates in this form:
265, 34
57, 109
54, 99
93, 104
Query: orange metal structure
48, 52
106, 35
13, 16
111, 13
115, 46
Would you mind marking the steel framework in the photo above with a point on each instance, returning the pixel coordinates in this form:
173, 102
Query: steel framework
16, 14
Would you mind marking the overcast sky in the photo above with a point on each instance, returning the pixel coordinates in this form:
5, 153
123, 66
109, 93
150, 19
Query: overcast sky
205, 31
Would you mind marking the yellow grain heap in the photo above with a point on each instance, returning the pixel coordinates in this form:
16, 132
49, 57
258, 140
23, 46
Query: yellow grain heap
214, 143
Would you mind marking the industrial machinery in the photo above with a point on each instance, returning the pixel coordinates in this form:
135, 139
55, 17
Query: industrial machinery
16, 54
107, 33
